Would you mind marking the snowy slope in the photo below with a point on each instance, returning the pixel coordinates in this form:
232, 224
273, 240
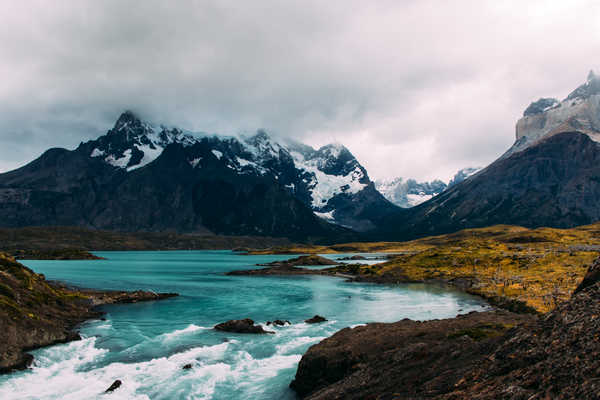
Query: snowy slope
326, 179
410, 193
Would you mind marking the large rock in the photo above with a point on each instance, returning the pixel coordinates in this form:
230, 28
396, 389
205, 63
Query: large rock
591, 277
315, 320
115, 385
241, 326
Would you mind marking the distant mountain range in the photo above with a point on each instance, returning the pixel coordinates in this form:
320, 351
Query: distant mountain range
408, 193
150, 178
141, 176
549, 177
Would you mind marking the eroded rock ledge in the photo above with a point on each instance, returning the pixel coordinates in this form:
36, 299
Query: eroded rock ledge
291, 267
36, 313
490, 355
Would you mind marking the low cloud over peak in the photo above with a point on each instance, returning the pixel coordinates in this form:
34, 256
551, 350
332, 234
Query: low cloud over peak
414, 89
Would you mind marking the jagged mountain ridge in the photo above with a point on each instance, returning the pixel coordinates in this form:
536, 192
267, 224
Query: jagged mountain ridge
327, 179
549, 177
579, 111
140, 176
410, 193
553, 183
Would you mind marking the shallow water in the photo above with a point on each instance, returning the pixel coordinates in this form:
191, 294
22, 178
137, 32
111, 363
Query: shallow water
145, 345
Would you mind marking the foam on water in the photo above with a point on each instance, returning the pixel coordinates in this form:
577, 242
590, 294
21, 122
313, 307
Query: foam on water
179, 332
145, 345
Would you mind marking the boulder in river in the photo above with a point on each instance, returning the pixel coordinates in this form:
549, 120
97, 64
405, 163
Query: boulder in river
279, 322
187, 366
315, 320
116, 384
240, 326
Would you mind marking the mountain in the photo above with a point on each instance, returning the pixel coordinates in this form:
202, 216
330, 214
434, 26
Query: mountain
549, 177
145, 177
410, 193
579, 111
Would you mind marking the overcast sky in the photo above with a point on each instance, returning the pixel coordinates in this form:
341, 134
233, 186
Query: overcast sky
413, 88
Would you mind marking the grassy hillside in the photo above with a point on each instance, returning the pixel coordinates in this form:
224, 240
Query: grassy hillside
534, 267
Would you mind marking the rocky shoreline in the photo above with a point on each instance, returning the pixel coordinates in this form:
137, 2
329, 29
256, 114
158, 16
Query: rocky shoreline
489, 355
511, 352
35, 313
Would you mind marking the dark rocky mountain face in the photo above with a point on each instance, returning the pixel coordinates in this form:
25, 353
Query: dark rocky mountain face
140, 177
554, 183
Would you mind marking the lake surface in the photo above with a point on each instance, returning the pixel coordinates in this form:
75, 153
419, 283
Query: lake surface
145, 345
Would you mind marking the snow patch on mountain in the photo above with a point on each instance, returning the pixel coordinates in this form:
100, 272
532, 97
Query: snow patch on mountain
194, 163
324, 186
410, 193
314, 176
120, 162
328, 216
97, 153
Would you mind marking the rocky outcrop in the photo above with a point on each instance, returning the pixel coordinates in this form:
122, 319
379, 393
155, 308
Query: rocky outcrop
591, 277
315, 320
35, 313
279, 322
312, 259
290, 267
489, 355
241, 326
115, 385
580, 111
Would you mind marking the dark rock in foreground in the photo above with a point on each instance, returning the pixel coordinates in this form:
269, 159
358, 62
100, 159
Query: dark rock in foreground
241, 326
408, 359
591, 277
187, 366
116, 384
279, 322
489, 355
315, 320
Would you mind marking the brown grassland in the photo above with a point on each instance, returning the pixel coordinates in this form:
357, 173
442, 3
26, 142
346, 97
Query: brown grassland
535, 267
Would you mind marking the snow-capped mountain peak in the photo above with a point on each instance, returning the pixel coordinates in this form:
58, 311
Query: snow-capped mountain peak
410, 193
133, 143
324, 179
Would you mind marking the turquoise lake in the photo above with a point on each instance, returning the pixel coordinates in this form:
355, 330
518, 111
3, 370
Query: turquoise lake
145, 345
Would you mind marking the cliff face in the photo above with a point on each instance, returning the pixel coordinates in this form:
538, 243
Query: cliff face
492, 355
580, 111
554, 183
34, 313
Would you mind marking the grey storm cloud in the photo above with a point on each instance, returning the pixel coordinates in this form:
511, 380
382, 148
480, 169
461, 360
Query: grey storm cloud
412, 88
